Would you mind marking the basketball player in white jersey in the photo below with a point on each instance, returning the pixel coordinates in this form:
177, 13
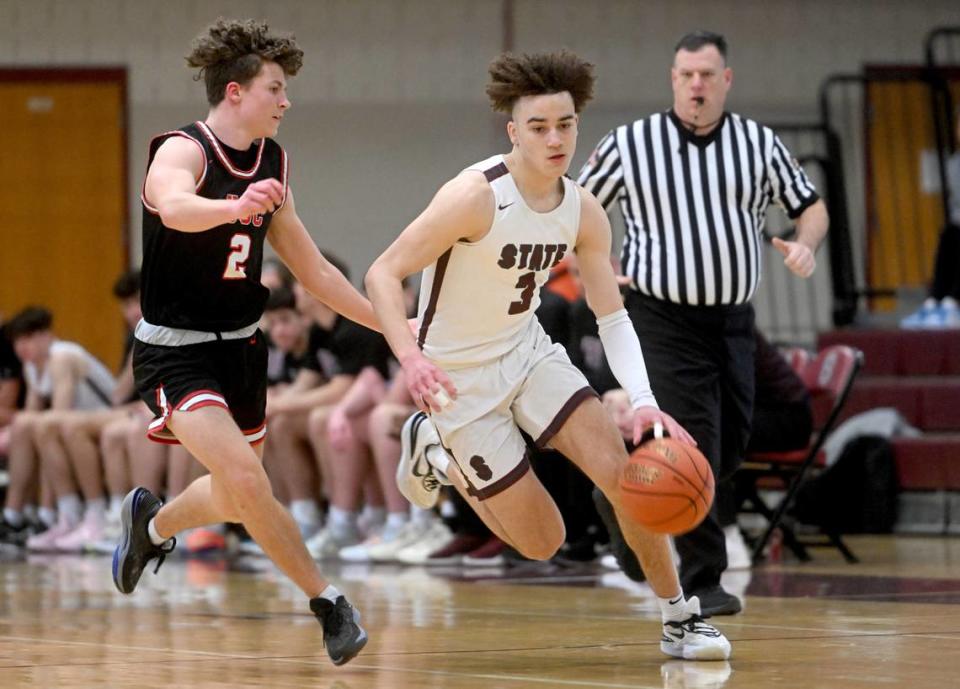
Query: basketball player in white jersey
481, 362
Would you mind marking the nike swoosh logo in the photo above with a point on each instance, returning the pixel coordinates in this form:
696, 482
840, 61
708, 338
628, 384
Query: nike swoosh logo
505, 205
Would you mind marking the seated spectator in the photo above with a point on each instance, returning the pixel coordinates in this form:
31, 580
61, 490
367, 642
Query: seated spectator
338, 351
75, 435
60, 376
941, 309
11, 389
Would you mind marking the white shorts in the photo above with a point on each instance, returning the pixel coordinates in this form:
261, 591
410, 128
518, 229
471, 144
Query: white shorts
533, 387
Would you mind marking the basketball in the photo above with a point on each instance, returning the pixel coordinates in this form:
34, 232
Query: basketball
667, 486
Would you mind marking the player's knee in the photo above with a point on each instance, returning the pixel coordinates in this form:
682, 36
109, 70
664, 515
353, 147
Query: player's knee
317, 423
381, 418
112, 438
43, 428
71, 429
544, 543
246, 483
22, 425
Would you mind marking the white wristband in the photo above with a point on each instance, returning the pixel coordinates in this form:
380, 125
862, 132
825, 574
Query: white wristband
625, 357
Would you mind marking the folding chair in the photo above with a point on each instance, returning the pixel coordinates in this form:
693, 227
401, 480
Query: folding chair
829, 378
798, 358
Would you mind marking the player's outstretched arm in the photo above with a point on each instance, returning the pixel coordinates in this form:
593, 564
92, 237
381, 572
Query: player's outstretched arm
295, 247
619, 339
462, 209
170, 188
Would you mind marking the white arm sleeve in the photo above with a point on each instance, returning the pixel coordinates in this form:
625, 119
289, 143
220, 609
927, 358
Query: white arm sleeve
625, 357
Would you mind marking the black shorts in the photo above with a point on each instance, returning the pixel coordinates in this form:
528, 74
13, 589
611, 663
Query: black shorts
226, 373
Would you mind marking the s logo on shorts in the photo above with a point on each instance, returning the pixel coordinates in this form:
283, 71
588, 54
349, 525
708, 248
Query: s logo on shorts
480, 467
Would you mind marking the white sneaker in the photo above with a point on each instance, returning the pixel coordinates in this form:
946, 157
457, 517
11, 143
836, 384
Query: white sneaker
88, 531
112, 531
46, 542
948, 313
324, 545
924, 317
681, 674
692, 638
738, 556
360, 552
436, 536
386, 550
417, 479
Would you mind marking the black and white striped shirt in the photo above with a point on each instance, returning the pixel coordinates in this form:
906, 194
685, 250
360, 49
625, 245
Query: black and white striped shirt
694, 206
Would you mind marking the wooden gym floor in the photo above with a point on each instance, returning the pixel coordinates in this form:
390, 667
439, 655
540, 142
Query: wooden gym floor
891, 621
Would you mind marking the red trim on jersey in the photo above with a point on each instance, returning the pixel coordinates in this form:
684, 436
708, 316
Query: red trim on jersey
225, 161
284, 178
198, 183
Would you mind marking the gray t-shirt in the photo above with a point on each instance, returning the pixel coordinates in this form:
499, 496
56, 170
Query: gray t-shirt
953, 185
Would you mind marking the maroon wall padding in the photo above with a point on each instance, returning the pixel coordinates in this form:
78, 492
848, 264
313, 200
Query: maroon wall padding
928, 463
902, 352
940, 405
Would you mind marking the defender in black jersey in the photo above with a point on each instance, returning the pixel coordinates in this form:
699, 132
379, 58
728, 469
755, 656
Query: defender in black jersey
214, 191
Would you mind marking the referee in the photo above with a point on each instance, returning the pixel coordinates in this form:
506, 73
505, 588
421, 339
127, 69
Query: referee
693, 184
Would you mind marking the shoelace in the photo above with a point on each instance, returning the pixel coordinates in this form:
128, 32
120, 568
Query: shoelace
164, 550
695, 625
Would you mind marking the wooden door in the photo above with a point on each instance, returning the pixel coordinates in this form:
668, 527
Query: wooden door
63, 191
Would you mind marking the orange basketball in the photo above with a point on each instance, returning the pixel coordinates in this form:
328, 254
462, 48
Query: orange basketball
667, 486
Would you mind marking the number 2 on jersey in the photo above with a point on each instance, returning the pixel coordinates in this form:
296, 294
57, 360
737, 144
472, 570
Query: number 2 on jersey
527, 283
237, 260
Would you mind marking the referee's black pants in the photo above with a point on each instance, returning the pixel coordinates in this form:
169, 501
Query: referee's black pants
701, 368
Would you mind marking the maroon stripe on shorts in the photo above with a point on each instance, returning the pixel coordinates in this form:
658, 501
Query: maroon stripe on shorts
501, 484
434, 296
576, 399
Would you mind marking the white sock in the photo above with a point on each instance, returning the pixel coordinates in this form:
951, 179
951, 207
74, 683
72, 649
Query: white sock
155, 537
438, 458
330, 593
373, 516
673, 609
116, 503
395, 522
342, 522
70, 508
305, 512
95, 508
47, 516
421, 516
13, 517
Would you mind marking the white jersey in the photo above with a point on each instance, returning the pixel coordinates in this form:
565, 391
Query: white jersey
478, 300
93, 391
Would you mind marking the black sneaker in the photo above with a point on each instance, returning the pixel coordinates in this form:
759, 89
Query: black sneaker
342, 634
136, 549
714, 600
17, 535
626, 558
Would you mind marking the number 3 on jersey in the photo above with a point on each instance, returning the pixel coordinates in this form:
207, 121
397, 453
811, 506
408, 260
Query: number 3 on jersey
528, 283
237, 260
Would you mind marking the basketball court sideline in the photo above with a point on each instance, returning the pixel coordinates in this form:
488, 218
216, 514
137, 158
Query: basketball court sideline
213, 624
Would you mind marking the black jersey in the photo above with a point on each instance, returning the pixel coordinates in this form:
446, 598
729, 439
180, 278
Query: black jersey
210, 280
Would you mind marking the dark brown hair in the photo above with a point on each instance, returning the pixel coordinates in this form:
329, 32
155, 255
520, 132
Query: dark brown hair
695, 40
515, 76
33, 319
235, 50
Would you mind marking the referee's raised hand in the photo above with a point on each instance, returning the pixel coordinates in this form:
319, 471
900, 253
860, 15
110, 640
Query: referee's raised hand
796, 256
